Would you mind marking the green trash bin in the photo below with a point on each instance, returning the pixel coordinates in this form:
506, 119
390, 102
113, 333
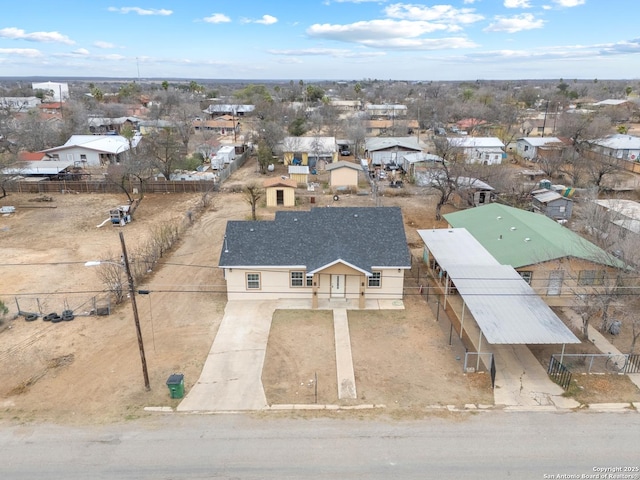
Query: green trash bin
175, 383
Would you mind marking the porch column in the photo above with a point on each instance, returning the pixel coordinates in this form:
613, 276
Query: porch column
361, 298
314, 292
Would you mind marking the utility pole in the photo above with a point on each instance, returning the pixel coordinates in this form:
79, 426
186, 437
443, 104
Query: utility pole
134, 306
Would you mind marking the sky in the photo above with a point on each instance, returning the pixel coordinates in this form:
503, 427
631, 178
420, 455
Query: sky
321, 39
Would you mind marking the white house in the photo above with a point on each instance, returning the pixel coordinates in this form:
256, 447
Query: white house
19, 104
92, 150
530, 147
389, 150
486, 150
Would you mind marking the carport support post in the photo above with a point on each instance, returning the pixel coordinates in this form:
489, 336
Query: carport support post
562, 354
479, 350
462, 319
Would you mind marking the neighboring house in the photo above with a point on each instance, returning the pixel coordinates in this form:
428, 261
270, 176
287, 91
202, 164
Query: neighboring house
92, 150
485, 150
468, 125
534, 147
390, 127
107, 125
32, 156
551, 204
386, 111
299, 173
344, 174
229, 109
559, 264
502, 303
385, 151
347, 105
315, 152
223, 125
19, 104
329, 254
147, 127
620, 146
280, 192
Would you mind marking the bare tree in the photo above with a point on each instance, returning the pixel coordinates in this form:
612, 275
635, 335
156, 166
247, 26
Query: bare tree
253, 193
444, 178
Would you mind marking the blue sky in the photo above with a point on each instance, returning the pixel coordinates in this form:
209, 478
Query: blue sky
321, 39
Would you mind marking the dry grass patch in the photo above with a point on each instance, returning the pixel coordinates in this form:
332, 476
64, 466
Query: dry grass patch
588, 389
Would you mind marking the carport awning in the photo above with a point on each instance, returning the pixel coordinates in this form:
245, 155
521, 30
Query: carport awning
506, 308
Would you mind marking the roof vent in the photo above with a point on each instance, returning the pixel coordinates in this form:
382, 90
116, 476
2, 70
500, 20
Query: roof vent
355, 215
295, 219
498, 217
513, 229
251, 229
527, 239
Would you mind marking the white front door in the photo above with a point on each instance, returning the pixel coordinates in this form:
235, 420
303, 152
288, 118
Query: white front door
337, 285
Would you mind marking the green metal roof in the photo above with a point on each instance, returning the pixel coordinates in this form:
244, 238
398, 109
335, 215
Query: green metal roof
519, 238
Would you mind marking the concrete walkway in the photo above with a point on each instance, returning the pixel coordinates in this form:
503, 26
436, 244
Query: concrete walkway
344, 360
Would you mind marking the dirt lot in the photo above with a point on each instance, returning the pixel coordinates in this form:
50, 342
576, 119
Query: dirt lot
88, 370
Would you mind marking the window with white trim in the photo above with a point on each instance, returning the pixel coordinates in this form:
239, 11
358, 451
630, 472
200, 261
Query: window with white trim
375, 280
297, 279
309, 281
253, 281
591, 277
527, 276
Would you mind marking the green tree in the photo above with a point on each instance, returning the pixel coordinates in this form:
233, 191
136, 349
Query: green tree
165, 85
297, 127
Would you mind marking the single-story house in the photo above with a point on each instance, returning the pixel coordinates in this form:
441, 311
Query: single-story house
386, 110
390, 127
55, 91
383, 151
92, 150
533, 147
224, 125
148, 127
105, 125
229, 109
315, 152
330, 254
343, 174
49, 169
558, 263
19, 104
485, 150
412, 163
624, 214
280, 192
502, 303
620, 146
346, 105
551, 204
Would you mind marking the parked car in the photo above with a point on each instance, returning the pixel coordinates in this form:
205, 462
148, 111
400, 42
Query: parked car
345, 152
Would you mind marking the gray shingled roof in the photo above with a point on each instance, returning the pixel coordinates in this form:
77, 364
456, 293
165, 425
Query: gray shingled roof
364, 237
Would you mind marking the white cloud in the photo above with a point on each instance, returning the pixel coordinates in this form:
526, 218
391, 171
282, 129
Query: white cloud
43, 37
81, 51
468, 2
101, 44
569, 3
437, 13
514, 24
267, 20
217, 18
517, 4
21, 52
142, 11
332, 52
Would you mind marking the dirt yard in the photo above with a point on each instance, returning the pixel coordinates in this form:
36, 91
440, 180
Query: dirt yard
88, 370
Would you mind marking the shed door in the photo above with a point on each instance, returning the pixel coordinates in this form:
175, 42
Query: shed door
279, 197
555, 282
337, 285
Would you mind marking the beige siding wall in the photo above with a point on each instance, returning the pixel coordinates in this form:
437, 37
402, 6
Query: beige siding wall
289, 196
571, 269
299, 177
344, 177
276, 284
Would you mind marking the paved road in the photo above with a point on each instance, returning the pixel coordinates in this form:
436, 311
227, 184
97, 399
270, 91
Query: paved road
491, 445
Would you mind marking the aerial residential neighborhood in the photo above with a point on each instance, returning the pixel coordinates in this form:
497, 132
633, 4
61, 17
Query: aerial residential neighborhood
343, 240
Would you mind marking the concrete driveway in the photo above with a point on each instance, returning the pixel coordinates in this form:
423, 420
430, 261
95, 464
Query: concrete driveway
231, 378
